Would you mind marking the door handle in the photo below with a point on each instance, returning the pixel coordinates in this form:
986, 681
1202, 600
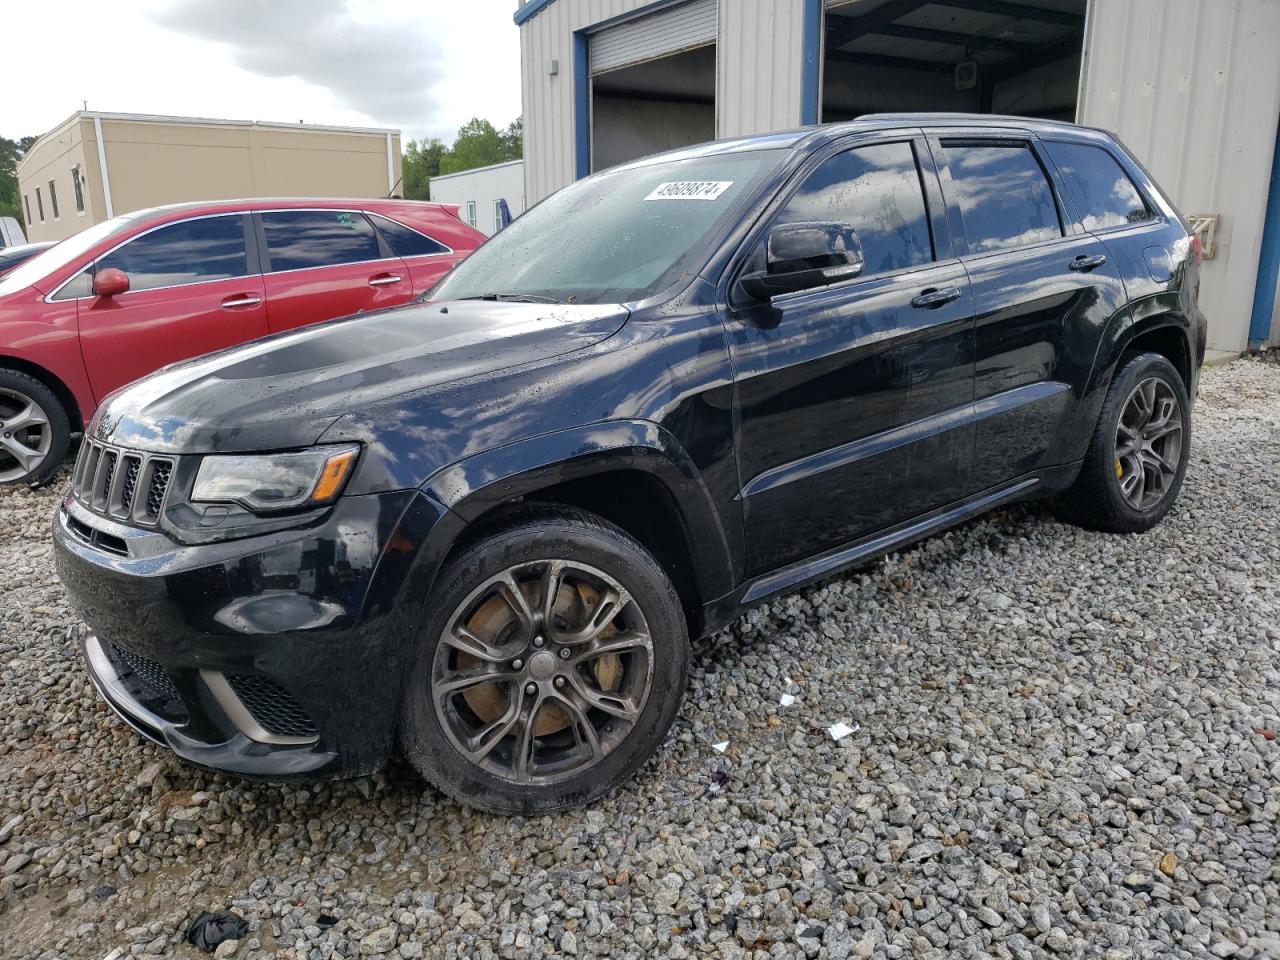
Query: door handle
1085, 263
243, 300
384, 280
933, 298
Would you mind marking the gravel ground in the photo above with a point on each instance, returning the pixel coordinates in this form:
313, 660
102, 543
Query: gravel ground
1065, 747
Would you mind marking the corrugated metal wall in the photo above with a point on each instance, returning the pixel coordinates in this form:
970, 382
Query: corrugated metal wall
1193, 89
758, 71
758, 76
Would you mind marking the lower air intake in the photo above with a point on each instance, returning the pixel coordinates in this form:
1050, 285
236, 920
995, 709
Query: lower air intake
272, 706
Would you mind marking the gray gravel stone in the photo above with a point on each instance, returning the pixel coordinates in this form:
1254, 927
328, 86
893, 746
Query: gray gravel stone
1062, 749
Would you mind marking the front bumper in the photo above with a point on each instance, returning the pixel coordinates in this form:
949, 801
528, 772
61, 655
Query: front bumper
274, 656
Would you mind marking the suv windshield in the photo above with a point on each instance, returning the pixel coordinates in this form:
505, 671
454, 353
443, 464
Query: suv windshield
621, 235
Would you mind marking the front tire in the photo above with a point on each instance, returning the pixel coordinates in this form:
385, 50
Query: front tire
34, 429
551, 665
1138, 455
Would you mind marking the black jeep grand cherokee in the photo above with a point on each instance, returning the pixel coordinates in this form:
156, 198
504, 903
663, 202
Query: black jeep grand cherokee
485, 527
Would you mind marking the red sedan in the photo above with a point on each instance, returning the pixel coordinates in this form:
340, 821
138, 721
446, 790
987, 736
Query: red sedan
132, 294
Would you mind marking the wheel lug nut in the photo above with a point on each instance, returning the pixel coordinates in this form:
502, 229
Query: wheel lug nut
538, 641
517, 664
559, 681
531, 689
564, 653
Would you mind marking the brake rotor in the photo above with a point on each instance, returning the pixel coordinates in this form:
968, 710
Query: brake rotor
494, 620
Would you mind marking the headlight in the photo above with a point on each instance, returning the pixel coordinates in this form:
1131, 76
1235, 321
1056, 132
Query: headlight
275, 481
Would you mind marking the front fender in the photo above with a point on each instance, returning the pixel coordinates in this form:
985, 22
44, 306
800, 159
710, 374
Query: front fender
473, 486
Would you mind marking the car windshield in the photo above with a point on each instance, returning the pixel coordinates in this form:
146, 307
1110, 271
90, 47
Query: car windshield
60, 254
619, 236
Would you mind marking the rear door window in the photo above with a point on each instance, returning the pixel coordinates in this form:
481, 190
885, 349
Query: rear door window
192, 251
406, 241
877, 190
1100, 187
301, 239
1003, 194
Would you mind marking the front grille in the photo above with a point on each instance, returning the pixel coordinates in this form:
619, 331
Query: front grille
104, 485
160, 473
272, 706
132, 466
150, 683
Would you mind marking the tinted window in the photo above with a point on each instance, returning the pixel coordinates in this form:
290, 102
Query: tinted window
193, 251
1003, 195
297, 239
1102, 190
405, 241
876, 190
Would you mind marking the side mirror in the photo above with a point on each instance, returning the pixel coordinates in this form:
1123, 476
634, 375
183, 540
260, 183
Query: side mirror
801, 256
110, 282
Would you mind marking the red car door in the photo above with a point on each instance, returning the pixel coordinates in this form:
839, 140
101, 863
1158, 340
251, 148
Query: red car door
428, 259
323, 264
193, 289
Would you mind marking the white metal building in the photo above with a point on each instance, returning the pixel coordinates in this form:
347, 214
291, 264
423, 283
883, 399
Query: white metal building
1191, 86
479, 192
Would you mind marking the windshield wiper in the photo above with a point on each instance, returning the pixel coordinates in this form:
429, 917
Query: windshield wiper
513, 298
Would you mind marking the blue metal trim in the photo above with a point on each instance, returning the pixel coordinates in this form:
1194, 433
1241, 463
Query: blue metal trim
1264, 293
581, 105
811, 68
530, 10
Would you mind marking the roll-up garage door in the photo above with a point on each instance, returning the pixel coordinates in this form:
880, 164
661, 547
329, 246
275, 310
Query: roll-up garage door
682, 27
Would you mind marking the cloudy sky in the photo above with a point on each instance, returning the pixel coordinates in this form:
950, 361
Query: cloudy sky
425, 66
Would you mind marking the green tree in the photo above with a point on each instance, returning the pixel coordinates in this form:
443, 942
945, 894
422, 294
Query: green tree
420, 163
11, 151
478, 145
513, 139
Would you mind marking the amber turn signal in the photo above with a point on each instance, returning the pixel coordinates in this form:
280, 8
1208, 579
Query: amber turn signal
333, 476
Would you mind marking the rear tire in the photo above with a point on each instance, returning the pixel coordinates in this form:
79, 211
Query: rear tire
552, 662
34, 429
1138, 455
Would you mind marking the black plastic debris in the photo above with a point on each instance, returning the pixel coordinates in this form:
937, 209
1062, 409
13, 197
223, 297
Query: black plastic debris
210, 929
719, 782
325, 921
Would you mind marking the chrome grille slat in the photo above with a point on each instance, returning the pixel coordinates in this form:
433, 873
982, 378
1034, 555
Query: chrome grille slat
103, 494
96, 500
125, 485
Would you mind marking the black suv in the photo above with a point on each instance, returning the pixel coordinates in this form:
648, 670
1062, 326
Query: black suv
485, 526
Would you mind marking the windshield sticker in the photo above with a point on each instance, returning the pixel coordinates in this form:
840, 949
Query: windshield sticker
690, 190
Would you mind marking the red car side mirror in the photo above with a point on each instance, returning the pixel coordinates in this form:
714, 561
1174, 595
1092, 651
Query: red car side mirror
110, 282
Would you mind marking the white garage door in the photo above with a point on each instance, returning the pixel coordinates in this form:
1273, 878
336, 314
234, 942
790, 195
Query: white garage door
682, 27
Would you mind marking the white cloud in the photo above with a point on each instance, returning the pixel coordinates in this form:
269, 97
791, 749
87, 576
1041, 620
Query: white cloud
424, 66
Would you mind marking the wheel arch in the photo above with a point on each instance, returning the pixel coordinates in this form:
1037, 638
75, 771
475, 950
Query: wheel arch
1168, 339
51, 380
633, 474
1166, 332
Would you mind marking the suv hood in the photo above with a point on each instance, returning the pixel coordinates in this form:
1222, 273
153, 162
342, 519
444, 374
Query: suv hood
284, 391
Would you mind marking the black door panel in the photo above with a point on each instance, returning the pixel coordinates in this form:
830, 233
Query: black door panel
852, 410
1036, 321
1043, 291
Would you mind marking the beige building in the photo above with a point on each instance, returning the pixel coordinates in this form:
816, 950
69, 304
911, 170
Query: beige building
94, 166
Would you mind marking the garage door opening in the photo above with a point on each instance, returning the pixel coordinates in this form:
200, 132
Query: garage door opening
973, 56
653, 84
